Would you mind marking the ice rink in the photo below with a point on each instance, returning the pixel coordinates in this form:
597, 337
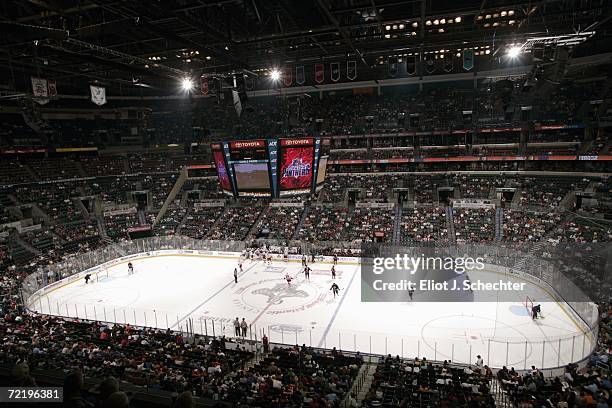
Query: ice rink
178, 291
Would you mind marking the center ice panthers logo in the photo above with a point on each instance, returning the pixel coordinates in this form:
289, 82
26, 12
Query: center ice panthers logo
277, 294
297, 168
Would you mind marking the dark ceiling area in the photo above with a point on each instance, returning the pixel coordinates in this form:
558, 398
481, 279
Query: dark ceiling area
136, 46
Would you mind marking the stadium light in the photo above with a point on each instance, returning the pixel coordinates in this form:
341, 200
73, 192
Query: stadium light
275, 75
514, 51
187, 84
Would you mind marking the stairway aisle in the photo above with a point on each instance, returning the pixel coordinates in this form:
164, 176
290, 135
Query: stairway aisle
499, 223
397, 225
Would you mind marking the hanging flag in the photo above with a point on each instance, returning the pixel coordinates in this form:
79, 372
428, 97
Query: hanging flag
351, 70
300, 76
411, 65
204, 85
319, 73
288, 77
40, 87
334, 74
448, 64
393, 67
40, 90
98, 94
468, 59
52, 87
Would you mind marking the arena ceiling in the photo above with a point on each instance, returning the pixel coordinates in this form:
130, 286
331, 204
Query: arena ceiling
131, 44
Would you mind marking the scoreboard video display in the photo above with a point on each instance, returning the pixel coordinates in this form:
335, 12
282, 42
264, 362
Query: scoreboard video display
272, 167
251, 167
295, 166
221, 166
322, 163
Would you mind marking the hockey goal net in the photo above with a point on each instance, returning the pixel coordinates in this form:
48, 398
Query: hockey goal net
100, 275
528, 304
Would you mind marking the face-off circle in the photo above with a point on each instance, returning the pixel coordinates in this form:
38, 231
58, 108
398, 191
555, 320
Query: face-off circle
276, 296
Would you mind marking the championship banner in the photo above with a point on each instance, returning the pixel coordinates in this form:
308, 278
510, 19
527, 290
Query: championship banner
393, 67
334, 71
52, 87
300, 76
288, 77
98, 94
204, 85
351, 70
39, 87
319, 73
468, 59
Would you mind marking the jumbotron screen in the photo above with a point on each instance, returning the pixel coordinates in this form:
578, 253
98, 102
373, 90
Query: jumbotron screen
295, 166
250, 163
322, 170
252, 178
323, 159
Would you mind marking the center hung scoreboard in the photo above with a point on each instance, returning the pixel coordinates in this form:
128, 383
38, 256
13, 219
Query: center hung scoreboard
271, 167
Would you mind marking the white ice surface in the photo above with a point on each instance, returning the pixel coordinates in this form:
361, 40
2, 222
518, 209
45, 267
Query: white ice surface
174, 290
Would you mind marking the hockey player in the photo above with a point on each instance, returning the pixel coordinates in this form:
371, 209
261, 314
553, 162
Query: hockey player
130, 268
335, 259
87, 278
288, 278
333, 271
303, 260
240, 266
307, 272
235, 275
335, 289
535, 311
